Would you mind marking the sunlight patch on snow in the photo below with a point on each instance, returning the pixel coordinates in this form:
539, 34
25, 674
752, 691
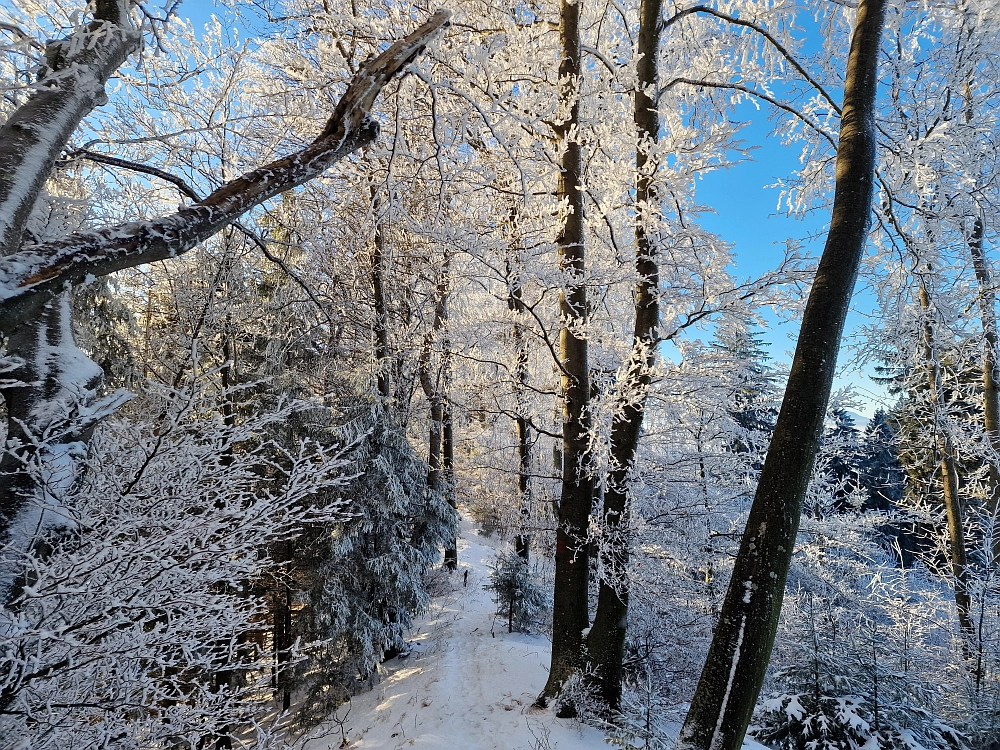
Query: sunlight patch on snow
468, 683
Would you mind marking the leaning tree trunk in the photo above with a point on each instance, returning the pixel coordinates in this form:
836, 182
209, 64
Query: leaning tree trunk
741, 647
957, 548
606, 642
570, 610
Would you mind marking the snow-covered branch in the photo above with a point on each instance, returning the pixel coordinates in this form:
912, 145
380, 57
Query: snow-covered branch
32, 276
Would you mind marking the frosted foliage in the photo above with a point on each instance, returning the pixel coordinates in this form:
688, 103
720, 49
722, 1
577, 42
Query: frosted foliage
861, 654
132, 625
365, 583
518, 594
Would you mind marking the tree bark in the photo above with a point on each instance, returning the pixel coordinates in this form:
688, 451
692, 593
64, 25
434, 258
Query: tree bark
570, 610
957, 548
52, 409
991, 402
741, 647
606, 642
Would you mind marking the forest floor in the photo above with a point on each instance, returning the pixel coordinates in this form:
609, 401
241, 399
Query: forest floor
466, 682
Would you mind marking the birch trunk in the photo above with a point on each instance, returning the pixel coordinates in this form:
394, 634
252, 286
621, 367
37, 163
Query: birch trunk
741, 647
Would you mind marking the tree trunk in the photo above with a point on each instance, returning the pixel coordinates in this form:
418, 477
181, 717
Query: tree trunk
570, 611
957, 548
606, 642
522, 541
281, 623
50, 417
381, 322
33, 136
440, 476
448, 462
434, 436
991, 403
741, 647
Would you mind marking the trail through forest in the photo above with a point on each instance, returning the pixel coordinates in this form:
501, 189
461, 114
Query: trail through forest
466, 682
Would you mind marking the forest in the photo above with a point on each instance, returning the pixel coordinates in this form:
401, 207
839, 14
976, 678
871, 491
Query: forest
304, 300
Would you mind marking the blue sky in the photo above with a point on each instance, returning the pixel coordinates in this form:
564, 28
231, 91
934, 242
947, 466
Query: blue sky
746, 215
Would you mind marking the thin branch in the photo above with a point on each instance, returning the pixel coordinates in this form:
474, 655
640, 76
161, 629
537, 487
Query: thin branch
191, 193
764, 33
765, 97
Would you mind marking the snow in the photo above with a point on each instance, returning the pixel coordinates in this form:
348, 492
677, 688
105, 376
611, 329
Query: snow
466, 683
35, 160
717, 736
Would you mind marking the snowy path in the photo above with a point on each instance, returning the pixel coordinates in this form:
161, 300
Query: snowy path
462, 687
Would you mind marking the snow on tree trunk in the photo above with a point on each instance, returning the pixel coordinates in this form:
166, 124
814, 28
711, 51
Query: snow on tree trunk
570, 616
52, 408
606, 642
71, 85
741, 646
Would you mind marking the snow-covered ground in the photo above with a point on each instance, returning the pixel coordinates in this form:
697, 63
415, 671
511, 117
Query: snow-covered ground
466, 684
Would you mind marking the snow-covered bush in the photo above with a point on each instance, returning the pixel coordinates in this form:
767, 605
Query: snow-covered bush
519, 596
133, 622
851, 679
803, 721
642, 723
